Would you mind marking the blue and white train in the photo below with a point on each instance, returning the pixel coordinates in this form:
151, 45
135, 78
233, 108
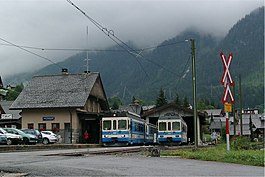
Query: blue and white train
172, 130
126, 128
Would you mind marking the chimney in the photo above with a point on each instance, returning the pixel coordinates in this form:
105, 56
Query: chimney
64, 71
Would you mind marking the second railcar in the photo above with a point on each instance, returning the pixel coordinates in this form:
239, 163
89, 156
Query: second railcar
172, 130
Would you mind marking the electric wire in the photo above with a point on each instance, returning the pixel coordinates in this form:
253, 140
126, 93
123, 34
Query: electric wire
45, 58
109, 33
114, 38
92, 50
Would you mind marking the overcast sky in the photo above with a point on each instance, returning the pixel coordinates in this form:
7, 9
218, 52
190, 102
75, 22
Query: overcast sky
57, 24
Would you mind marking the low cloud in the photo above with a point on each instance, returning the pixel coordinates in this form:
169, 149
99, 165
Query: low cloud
57, 24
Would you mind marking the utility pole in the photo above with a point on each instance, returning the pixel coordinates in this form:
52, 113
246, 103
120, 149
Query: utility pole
234, 110
194, 90
240, 105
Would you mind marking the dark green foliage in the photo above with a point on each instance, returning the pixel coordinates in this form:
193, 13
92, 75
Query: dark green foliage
203, 104
186, 102
13, 93
161, 99
115, 102
177, 100
251, 126
245, 143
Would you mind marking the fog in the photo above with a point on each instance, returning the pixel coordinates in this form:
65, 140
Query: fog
57, 24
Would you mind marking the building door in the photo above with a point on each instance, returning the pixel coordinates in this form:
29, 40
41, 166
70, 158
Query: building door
92, 126
67, 133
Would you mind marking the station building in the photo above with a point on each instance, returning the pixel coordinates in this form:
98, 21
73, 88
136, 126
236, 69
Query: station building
67, 104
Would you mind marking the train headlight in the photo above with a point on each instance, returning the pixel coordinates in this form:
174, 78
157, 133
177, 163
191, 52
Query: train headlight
178, 136
105, 136
161, 136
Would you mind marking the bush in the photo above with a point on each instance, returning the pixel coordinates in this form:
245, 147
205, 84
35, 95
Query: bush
241, 143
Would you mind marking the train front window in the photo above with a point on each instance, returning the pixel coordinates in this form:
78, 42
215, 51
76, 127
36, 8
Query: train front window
106, 125
176, 126
122, 124
162, 126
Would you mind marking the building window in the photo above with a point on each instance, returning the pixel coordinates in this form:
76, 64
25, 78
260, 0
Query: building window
31, 126
55, 127
42, 126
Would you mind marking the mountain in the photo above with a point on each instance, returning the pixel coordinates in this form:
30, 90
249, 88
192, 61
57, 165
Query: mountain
168, 65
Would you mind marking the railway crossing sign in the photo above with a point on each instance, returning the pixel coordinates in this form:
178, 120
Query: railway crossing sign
226, 74
228, 93
227, 80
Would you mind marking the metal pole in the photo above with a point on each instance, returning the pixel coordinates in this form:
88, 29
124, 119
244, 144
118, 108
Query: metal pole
194, 93
240, 105
234, 109
227, 131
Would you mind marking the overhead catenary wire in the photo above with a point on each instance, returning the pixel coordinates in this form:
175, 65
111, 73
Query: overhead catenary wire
92, 50
119, 42
107, 32
45, 58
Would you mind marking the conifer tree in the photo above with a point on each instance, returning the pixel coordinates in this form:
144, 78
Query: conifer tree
161, 99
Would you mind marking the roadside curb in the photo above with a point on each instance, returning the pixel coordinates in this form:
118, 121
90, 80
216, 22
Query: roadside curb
14, 148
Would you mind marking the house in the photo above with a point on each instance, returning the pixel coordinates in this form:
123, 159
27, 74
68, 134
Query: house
9, 118
152, 115
134, 107
67, 104
216, 118
257, 121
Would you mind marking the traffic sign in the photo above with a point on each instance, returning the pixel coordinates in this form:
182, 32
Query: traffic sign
226, 73
228, 93
228, 107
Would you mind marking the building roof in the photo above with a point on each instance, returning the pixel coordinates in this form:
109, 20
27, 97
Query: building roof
216, 124
137, 109
56, 91
5, 105
214, 112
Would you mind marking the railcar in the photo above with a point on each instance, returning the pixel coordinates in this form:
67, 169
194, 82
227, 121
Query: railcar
150, 134
123, 128
172, 130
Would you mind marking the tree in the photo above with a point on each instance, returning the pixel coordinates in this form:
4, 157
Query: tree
161, 99
186, 102
115, 102
177, 100
13, 93
251, 128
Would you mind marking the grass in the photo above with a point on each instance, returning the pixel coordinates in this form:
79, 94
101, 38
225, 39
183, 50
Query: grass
220, 154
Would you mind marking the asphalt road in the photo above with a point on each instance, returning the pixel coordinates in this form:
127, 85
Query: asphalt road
46, 163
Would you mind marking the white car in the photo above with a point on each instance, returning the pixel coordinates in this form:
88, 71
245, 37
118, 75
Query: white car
48, 137
12, 138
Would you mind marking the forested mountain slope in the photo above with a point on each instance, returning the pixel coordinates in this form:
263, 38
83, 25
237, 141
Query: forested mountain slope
168, 66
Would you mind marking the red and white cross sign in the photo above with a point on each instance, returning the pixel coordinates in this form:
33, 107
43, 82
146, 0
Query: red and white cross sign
228, 93
226, 75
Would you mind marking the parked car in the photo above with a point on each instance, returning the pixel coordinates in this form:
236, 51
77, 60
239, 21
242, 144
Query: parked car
11, 138
34, 132
3, 139
27, 138
48, 137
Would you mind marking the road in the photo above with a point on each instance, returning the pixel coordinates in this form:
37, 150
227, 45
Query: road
46, 163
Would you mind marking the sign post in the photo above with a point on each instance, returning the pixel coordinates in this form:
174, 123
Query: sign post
227, 82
